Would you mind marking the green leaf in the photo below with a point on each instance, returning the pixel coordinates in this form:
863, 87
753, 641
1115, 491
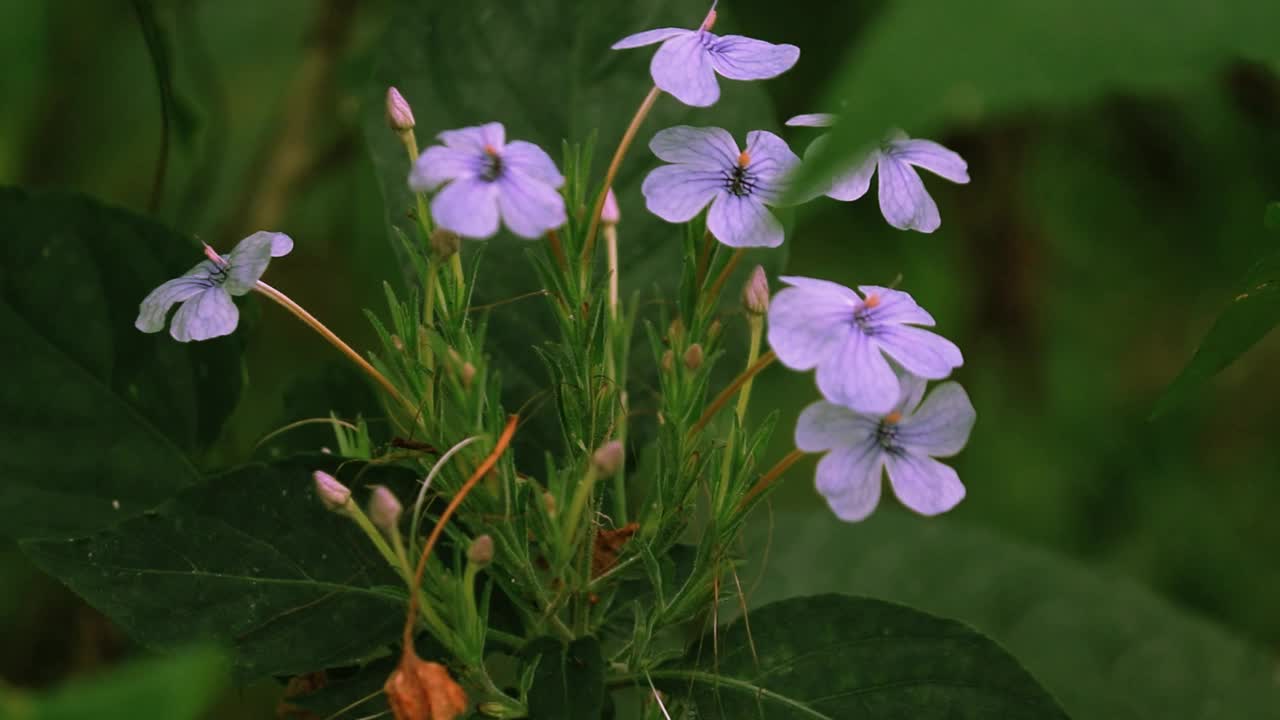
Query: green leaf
250, 559
1253, 312
180, 687
919, 66
1271, 219
568, 682
1106, 648
99, 420
833, 656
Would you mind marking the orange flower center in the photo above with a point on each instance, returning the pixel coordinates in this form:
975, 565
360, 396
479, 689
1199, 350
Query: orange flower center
871, 301
893, 418
744, 159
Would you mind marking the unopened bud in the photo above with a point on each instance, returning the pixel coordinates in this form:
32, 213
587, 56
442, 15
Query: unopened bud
714, 329
332, 493
755, 294
608, 457
445, 243
693, 357
609, 215
675, 331
481, 551
399, 115
397, 343
467, 374
549, 502
668, 359
384, 509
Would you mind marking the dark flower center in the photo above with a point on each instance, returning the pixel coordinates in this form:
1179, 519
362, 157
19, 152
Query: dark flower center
862, 316
887, 433
740, 181
490, 164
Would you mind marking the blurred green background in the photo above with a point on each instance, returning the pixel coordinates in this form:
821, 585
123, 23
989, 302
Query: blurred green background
1078, 272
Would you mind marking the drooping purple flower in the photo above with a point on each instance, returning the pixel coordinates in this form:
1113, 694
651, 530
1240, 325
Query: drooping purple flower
905, 442
487, 178
687, 62
903, 200
205, 291
850, 340
707, 167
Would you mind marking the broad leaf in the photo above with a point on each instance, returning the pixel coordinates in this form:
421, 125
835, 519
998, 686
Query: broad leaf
250, 559
568, 682
100, 420
833, 656
1107, 649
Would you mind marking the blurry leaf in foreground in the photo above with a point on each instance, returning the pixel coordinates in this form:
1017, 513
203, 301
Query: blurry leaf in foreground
1253, 312
1272, 216
1107, 649
177, 687
922, 64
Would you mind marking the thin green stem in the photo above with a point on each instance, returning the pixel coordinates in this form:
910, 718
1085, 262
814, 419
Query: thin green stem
578, 505
612, 172
727, 394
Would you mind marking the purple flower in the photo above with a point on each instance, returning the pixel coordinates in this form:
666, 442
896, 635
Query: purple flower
707, 167
903, 441
205, 290
488, 177
850, 339
903, 199
686, 64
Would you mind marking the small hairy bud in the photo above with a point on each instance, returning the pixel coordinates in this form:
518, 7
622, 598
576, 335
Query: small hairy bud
332, 493
467, 373
714, 329
755, 294
444, 243
668, 360
481, 551
399, 114
608, 457
384, 509
693, 357
422, 690
549, 502
675, 331
610, 215
397, 343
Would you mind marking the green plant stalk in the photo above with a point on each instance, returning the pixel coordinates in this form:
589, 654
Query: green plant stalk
614, 375
744, 397
578, 505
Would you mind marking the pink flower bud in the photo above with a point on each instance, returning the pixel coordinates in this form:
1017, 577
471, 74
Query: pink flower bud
384, 509
608, 457
755, 294
481, 551
693, 357
332, 493
399, 115
610, 215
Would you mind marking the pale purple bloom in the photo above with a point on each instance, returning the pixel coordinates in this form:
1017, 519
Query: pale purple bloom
687, 62
903, 441
850, 340
707, 167
487, 178
903, 200
205, 290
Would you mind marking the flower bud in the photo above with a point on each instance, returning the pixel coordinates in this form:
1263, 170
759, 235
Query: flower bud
444, 243
384, 509
608, 457
332, 493
693, 357
481, 551
467, 374
714, 329
668, 359
609, 215
549, 502
675, 331
397, 343
399, 115
755, 294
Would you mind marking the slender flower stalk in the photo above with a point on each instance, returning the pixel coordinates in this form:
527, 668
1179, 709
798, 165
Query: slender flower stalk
612, 172
728, 393
770, 477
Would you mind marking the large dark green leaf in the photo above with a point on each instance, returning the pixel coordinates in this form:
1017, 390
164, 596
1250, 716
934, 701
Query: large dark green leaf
568, 682
1107, 649
99, 420
250, 559
918, 67
1253, 312
181, 687
834, 656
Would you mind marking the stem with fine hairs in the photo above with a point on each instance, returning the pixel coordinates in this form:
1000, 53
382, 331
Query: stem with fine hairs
627, 138
727, 394
769, 477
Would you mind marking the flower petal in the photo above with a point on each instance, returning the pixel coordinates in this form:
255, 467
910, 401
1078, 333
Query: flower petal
823, 426
924, 484
247, 261
812, 120
911, 391
853, 184
475, 139
649, 37
825, 287
438, 165
808, 322
903, 199
529, 207
209, 314
155, 306
467, 206
932, 157
940, 428
705, 148
920, 352
894, 306
772, 162
849, 478
743, 221
676, 193
532, 161
682, 68
743, 58
857, 376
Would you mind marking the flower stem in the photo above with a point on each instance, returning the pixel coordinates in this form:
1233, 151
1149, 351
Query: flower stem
614, 373
288, 304
579, 503
744, 396
769, 477
627, 138
727, 394
718, 286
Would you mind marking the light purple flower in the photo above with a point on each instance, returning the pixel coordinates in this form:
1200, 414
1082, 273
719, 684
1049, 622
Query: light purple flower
903, 441
485, 178
205, 291
903, 200
707, 167
687, 62
850, 340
